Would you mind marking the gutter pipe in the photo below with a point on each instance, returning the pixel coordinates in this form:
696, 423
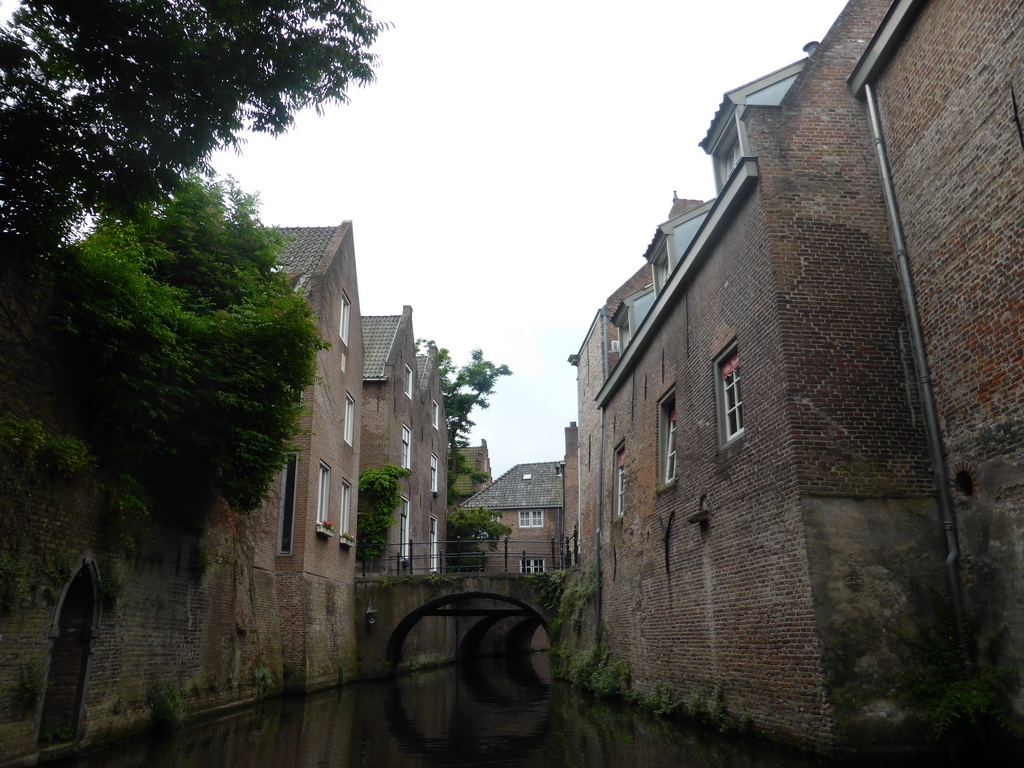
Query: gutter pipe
931, 420
600, 489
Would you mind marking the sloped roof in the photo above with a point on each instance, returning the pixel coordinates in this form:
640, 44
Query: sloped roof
305, 247
378, 337
522, 487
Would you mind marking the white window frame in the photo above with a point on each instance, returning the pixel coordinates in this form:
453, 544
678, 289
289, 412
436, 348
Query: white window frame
408, 382
433, 472
433, 545
346, 318
531, 565
346, 506
435, 410
289, 492
350, 419
729, 395
406, 447
661, 266
323, 497
403, 529
668, 468
531, 518
620, 482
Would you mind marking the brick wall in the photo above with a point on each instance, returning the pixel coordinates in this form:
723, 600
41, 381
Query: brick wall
958, 168
777, 567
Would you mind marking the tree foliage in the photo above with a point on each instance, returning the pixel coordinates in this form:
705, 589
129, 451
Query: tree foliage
108, 103
476, 525
193, 350
465, 389
380, 492
471, 533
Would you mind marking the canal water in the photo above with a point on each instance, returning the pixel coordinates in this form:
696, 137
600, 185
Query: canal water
492, 713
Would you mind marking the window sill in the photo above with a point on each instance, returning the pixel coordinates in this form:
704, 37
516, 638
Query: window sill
732, 441
325, 532
342, 542
666, 487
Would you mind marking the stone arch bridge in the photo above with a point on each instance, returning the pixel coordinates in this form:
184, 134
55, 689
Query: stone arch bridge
411, 621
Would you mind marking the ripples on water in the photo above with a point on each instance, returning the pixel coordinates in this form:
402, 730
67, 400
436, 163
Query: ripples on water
494, 713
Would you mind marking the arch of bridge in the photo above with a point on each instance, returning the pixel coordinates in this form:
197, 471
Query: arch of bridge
395, 606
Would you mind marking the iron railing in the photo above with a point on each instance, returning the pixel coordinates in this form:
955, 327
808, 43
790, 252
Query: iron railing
506, 556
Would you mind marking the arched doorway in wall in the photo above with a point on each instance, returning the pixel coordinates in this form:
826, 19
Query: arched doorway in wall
72, 634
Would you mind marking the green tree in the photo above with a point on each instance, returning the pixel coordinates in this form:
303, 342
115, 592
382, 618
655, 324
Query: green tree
471, 531
108, 103
465, 388
192, 348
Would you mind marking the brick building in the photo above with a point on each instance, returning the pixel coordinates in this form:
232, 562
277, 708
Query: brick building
404, 425
479, 459
529, 498
304, 523
944, 78
756, 487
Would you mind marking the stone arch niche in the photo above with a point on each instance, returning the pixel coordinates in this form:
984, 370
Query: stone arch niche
72, 637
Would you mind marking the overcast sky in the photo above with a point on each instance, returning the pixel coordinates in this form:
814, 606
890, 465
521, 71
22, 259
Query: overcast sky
507, 169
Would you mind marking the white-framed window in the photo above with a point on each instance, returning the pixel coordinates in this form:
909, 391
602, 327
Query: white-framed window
323, 504
661, 267
531, 565
403, 529
350, 418
531, 518
726, 156
730, 399
433, 473
346, 506
286, 527
667, 439
620, 482
346, 317
406, 447
435, 413
408, 381
433, 544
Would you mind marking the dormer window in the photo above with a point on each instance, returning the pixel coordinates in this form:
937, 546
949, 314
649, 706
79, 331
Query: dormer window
631, 314
662, 267
726, 156
725, 141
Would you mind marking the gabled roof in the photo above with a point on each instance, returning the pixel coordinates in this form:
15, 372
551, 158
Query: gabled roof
379, 332
305, 247
524, 486
422, 371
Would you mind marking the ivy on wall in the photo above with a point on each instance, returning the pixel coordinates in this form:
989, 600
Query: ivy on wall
380, 492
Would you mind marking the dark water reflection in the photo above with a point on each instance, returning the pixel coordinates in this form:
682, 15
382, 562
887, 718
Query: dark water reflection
497, 713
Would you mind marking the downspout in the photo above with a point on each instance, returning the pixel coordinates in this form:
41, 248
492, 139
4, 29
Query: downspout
600, 488
931, 420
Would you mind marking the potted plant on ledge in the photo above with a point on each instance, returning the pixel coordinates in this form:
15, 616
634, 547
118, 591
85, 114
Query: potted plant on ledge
325, 528
346, 539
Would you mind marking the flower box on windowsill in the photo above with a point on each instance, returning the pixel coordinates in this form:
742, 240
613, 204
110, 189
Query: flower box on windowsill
324, 529
346, 540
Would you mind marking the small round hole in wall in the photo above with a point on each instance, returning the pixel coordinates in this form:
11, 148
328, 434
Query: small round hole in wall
964, 483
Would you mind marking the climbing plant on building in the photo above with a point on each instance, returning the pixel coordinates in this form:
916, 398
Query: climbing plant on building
192, 349
380, 492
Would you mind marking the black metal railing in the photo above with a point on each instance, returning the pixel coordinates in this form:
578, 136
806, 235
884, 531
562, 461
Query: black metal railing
453, 557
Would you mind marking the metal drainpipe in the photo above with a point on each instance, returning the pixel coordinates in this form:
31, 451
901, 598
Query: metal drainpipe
921, 361
600, 489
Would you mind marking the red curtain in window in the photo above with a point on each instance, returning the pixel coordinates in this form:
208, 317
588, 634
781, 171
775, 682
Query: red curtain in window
729, 366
